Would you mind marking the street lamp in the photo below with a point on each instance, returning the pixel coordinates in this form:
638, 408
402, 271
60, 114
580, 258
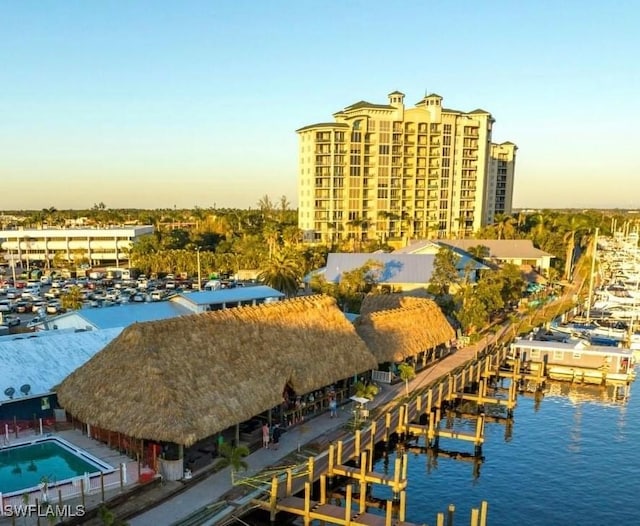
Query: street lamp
199, 272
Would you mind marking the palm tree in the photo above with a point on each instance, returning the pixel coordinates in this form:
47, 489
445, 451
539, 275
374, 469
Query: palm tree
283, 273
234, 457
368, 391
407, 372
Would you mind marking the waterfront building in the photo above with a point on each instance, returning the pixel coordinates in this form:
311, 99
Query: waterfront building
98, 246
393, 172
184, 379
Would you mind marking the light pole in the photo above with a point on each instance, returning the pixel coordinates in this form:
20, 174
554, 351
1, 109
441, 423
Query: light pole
199, 272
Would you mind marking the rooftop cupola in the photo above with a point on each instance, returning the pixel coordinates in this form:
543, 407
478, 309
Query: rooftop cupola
396, 99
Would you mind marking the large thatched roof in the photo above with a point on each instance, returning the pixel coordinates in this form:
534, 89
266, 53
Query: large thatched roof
396, 327
183, 379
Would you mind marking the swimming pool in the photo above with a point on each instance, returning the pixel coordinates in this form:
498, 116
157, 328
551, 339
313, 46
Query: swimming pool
23, 466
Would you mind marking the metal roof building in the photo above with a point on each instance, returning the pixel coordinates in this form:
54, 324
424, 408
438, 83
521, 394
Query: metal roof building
42, 360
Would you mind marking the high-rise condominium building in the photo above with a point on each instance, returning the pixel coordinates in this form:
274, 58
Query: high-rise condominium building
392, 172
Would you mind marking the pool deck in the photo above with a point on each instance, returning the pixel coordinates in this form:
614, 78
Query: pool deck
93, 448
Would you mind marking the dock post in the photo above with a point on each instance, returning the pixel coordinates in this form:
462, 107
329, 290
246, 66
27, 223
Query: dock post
273, 500
440, 519
483, 513
387, 425
339, 454
358, 443
397, 474
289, 487
389, 514
400, 428
323, 489
429, 400
419, 404
311, 470
347, 506
474, 516
450, 513
440, 393
372, 435
307, 504
362, 506
403, 506
330, 460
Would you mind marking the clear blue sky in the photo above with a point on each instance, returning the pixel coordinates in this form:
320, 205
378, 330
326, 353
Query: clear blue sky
159, 103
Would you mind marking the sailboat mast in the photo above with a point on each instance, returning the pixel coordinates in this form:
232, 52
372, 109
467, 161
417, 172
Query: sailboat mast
593, 271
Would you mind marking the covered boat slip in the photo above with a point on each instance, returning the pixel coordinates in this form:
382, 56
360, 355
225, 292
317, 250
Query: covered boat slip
576, 360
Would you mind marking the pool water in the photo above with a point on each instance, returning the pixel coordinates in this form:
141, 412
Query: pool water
23, 467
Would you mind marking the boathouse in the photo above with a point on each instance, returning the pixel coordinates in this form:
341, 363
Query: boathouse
576, 361
165, 385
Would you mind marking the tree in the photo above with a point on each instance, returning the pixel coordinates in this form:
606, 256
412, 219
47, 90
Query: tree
407, 373
368, 391
282, 272
72, 299
445, 274
233, 457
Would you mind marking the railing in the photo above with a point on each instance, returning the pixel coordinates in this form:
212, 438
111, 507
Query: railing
58, 492
384, 377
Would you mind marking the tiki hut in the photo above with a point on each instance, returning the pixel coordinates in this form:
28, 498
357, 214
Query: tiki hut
397, 327
183, 379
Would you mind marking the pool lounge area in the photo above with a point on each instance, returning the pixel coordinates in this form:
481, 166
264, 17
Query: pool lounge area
25, 466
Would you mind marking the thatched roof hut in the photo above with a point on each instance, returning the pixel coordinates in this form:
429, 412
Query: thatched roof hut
397, 327
378, 302
183, 379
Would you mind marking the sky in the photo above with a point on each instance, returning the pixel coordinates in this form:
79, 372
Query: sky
162, 104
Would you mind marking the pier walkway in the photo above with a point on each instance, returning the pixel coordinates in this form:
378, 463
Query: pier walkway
321, 429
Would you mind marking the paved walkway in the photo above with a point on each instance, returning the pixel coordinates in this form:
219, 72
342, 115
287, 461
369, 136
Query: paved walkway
218, 484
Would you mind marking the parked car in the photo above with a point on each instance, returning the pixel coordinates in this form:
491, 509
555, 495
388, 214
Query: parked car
10, 320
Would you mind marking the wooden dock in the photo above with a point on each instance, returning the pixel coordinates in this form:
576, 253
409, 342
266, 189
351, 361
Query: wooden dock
462, 376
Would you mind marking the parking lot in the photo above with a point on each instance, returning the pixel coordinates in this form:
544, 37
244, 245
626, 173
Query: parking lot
25, 303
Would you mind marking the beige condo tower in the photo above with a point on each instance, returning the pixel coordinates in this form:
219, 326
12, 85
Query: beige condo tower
395, 173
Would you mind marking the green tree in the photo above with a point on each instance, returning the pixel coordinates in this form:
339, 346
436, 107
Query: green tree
233, 457
72, 299
368, 391
445, 274
282, 272
407, 373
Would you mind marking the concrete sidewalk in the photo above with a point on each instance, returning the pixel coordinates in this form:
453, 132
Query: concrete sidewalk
217, 485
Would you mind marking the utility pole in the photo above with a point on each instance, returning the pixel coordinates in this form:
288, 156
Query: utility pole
199, 272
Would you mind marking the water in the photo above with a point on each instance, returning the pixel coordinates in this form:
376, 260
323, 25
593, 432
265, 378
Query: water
572, 459
24, 467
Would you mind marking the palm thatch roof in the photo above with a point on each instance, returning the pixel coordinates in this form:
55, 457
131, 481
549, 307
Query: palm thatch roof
377, 302
402, 326
186, 378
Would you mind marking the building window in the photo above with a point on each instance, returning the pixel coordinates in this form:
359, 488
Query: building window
384, 149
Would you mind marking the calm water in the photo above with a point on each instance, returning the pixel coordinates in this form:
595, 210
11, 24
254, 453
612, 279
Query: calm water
572, 459
23, 467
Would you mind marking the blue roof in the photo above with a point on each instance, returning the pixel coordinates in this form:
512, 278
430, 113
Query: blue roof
397, 268
212, 297
130, 313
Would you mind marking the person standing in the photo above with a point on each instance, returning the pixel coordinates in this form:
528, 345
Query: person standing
265, 435
333, 406
277, 432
